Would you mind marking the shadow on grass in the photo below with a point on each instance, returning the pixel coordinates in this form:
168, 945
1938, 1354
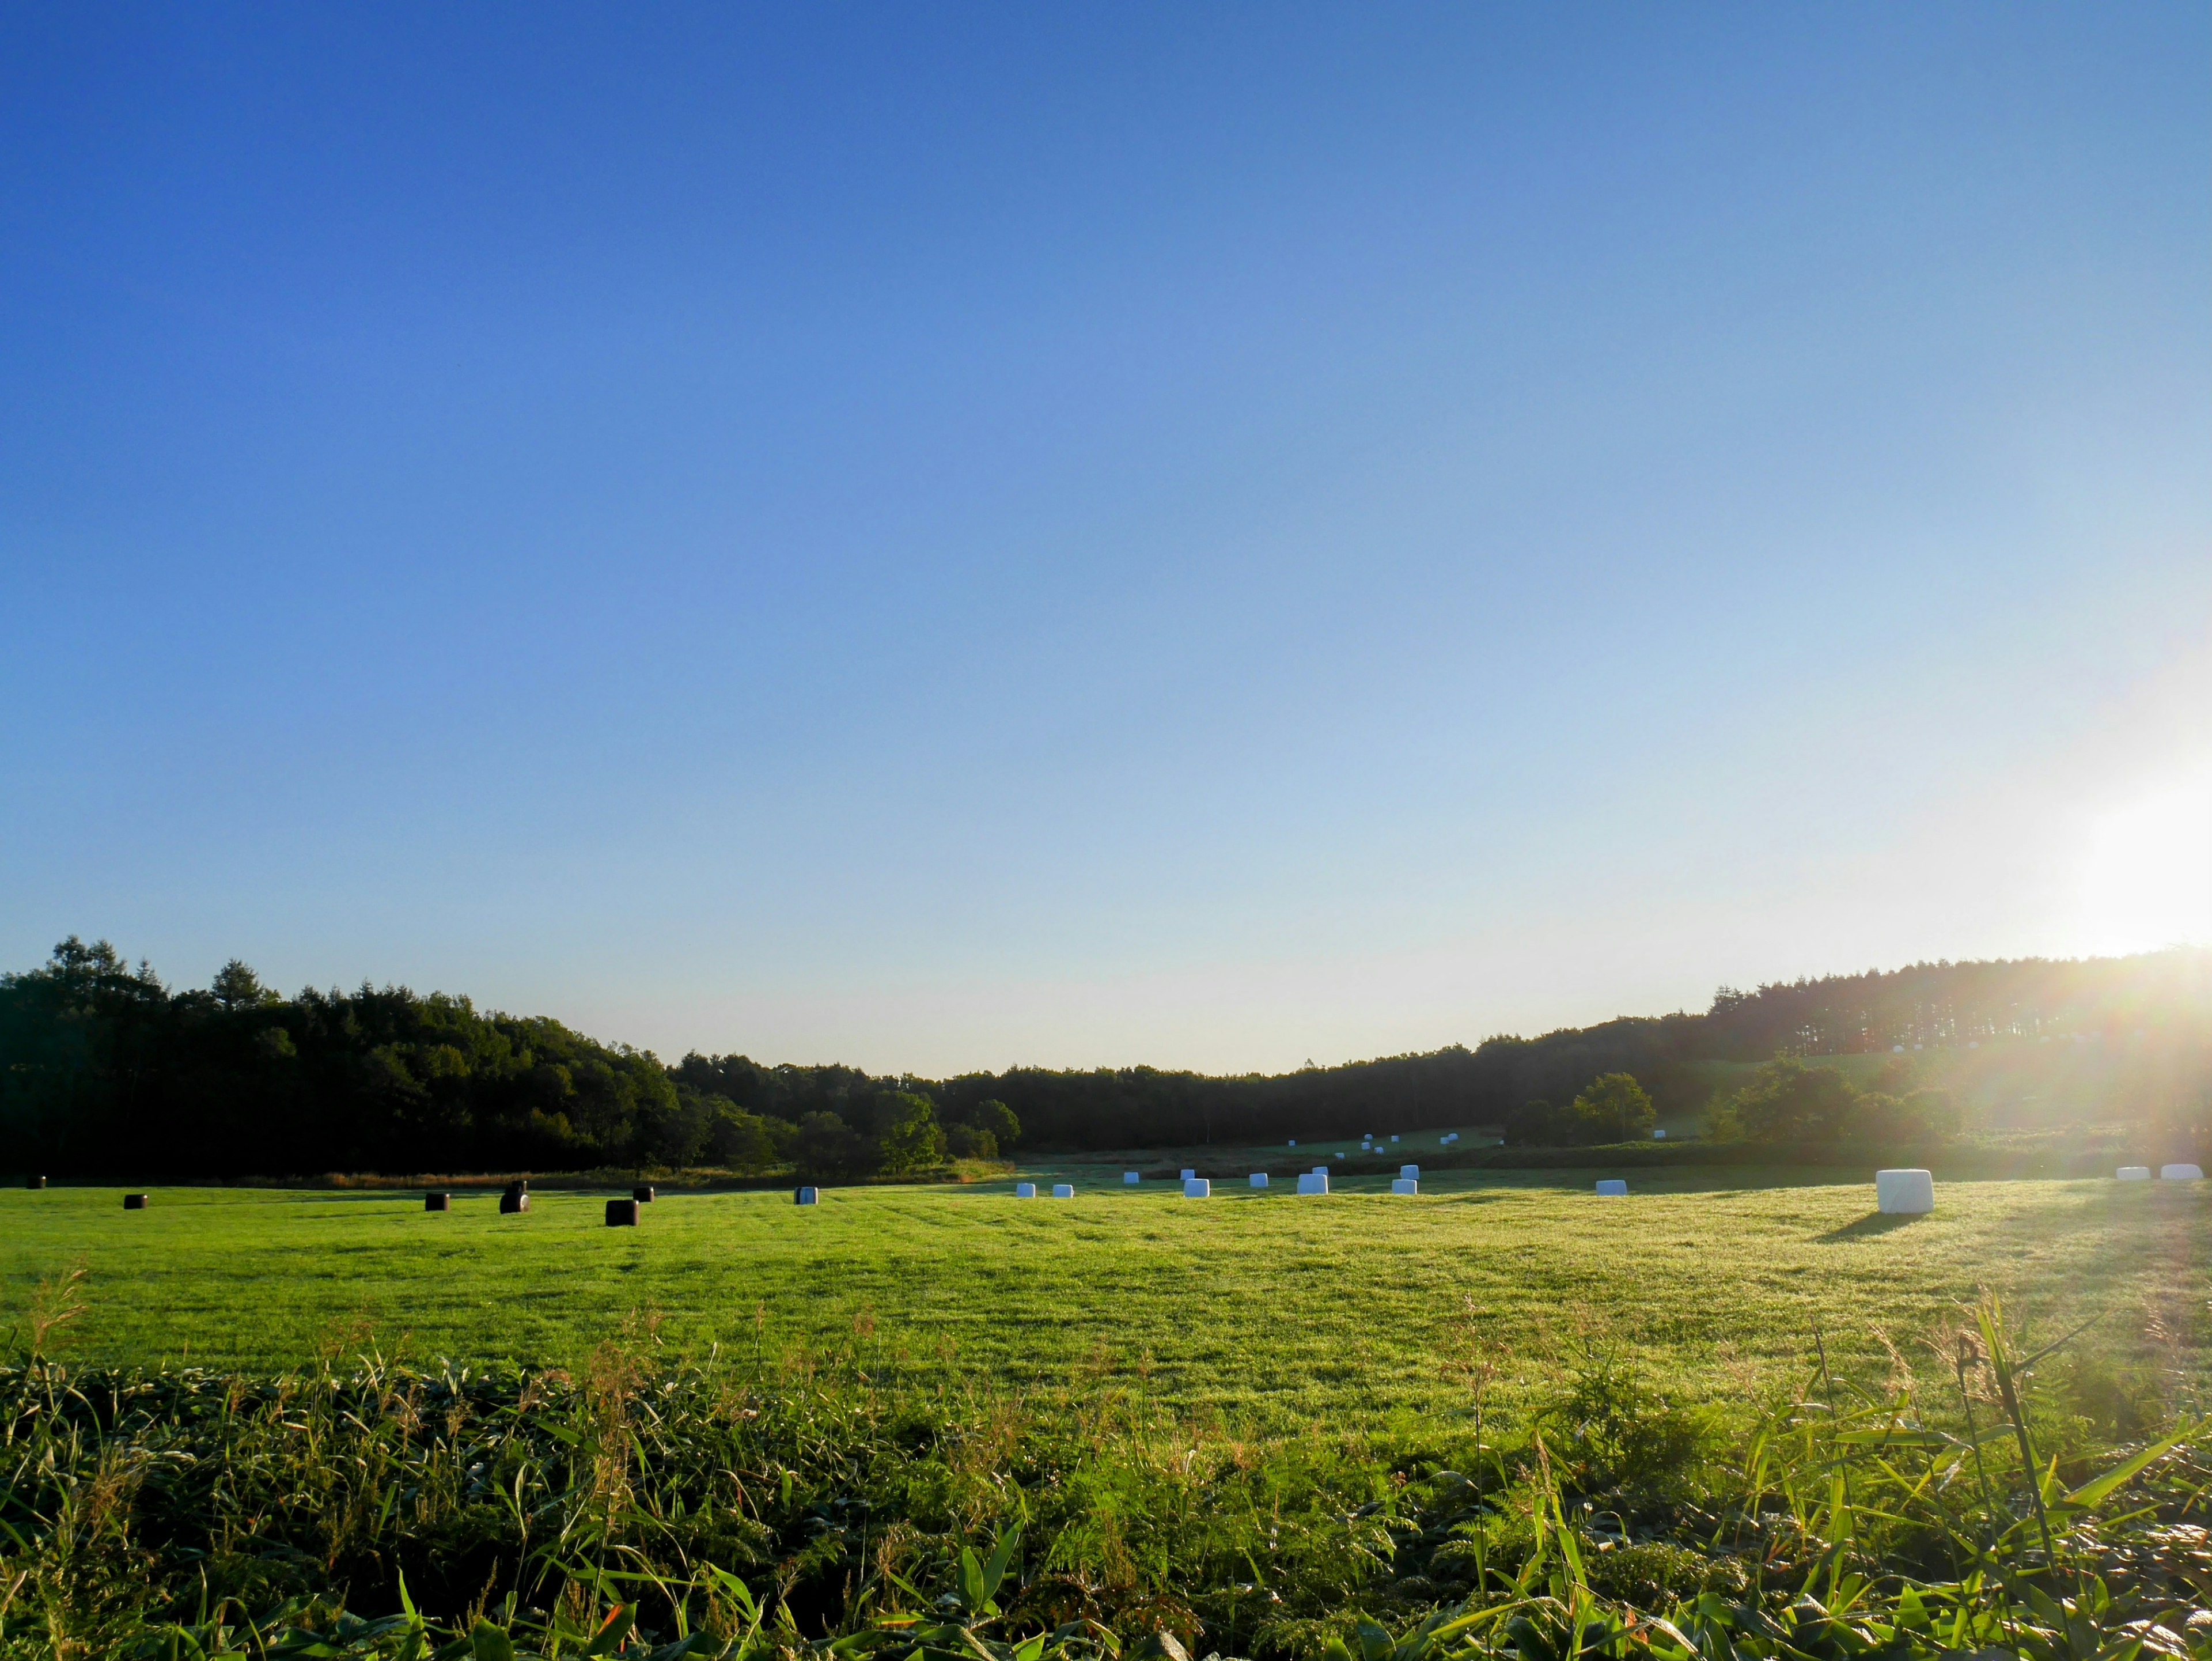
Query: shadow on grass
1874, 1222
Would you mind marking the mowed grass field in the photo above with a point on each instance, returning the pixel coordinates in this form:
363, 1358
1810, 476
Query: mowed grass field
1267, 1307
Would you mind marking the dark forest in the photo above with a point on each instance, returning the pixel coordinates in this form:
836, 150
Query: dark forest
105, 1070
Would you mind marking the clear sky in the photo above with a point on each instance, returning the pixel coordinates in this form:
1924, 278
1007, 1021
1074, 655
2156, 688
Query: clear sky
940, 537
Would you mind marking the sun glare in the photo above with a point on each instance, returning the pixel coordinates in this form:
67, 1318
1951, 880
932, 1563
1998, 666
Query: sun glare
2148, 878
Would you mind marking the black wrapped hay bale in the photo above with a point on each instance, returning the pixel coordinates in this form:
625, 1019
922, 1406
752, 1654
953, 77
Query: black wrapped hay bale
437, 1202
514, 1199
134, 1203
35, 1182
642, 1193
621, 1214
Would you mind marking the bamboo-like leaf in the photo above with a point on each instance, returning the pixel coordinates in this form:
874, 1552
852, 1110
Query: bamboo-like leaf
2093, 1491
1893, 1438
995, 1570
694, 1645
613, 1630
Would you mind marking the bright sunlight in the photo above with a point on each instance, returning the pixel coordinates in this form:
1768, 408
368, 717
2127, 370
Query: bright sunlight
2147, 878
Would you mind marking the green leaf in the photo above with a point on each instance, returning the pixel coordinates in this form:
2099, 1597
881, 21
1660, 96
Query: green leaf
490, 1643
615, 1628
908, 1587
995, 1570
683, 1647
972, 1594
736, 1590
2093, 1492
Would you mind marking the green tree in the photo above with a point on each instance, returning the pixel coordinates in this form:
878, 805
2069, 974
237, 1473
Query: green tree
1612, 1108
1533, 1124
911, 1141
237, 987
743, 1140
1787, 1102
825, 1145
965, 1141
1919, 1116
997, 1120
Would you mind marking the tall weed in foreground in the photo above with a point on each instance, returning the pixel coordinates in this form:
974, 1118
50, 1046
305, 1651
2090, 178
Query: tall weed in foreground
816, 1506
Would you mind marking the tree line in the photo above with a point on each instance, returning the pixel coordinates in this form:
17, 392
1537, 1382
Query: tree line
105, 1069
1785, 1104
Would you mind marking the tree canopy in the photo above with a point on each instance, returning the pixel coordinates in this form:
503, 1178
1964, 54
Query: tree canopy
105, 1068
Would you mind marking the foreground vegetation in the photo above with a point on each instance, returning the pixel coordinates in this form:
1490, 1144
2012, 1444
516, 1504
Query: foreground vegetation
815, 1503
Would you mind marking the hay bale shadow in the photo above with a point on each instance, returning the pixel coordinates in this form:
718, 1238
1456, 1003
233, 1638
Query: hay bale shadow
1874, 1222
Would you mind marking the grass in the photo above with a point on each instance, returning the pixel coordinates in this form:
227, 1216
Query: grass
806, 1511
1737, 1416
1266, 1310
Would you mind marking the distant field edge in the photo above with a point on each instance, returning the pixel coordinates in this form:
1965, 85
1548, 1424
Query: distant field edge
1954, 1159
1964, 1160
962, 1172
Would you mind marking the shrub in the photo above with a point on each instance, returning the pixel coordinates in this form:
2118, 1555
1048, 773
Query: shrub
1654, 1573
1611, 1432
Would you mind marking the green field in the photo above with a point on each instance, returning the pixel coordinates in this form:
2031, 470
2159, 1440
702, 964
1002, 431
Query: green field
1270, 1307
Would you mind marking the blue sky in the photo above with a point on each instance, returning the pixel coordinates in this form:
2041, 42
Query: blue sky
950, 537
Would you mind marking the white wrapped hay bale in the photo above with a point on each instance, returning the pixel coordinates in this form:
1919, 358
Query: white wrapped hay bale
807, 1196
2181, 1173
2133, 1173
1131, 1178
1197, 1187
1412, 1172
1614, 1188
1294, 1142
1025, 1190
1313, 1182
1321, 1170
1259, 1179
1188, 1173
1063, 1190
1393, 1139
1903, 1193
1404, 1185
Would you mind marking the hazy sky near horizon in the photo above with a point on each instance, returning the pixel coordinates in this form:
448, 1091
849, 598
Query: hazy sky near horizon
941, 538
